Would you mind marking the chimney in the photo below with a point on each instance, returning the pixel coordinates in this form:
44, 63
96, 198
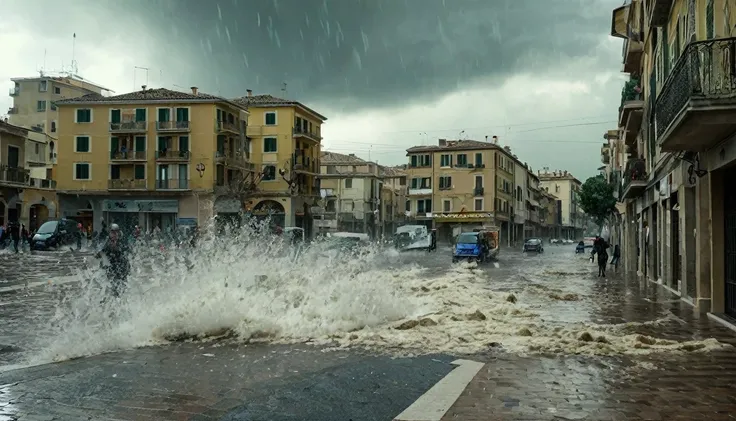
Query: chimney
486, 138
250, 92
442, 142
143, 87
352, 154
194, 90
495, 140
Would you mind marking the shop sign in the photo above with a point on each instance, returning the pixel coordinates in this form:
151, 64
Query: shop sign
464, 215
151, 206
190, 222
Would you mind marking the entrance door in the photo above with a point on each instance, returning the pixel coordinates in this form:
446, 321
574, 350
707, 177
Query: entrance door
729, 224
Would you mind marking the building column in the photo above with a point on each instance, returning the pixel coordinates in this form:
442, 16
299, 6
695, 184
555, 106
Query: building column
717, 240
688, 239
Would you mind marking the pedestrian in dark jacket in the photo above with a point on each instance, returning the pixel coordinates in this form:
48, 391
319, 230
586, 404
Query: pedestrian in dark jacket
616, 256
15, 234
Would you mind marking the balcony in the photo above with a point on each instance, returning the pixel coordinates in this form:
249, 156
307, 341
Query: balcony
300, 132
419, 192
631, 110
659, 12
129, 127
14, 175
15, 91
478, 191
304, 164
180, 184
128, 156
225, 126
172, 126
170, 155
234, 159
635, 179
121, 184
696, 108
633, 50
42, 183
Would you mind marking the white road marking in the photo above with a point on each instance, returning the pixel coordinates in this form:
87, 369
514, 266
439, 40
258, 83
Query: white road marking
433, 405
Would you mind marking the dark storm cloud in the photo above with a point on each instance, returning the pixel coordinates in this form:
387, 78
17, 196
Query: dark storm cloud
369, 52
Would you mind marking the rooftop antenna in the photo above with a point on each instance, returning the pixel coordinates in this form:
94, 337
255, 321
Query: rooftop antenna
283, 88
460, 136
141, 68
74, 69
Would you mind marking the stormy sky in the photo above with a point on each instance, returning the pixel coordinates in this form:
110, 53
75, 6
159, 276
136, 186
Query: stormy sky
543, 75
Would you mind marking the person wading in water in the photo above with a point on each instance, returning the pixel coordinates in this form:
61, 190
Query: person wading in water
116, 251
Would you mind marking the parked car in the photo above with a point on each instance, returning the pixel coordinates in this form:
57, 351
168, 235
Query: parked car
54, 234
533, 245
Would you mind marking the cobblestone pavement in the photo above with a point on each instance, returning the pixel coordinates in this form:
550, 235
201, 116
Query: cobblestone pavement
266, 382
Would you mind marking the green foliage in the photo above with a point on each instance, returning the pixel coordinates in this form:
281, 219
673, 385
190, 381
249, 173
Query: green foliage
596, 198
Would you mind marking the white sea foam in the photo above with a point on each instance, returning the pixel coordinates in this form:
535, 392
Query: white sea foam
375, 300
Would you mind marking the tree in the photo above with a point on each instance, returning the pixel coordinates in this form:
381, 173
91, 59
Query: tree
597, 199
242, 186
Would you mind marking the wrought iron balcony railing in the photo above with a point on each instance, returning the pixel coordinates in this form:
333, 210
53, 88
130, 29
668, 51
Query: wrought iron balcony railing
636, 170
170, 154
128, 156
128, 126
163, 126
122, 184
174, 184
705, 70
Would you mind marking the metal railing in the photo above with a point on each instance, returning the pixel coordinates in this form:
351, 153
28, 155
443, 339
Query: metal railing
129, 126
172, 125
121, 184
227, 126
174, 184
127, 156
306, 133
636, 170
478, 191
705, 70
171, 154
16, 175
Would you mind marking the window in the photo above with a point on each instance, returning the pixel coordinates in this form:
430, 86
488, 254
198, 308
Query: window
182, 114
478, 181
114, 172
445, 182
447, 205
53, 126
82, 171
426, 183
81, 144
478, 204
462, 160
140, 143
140, 114
269, 145
446, 160
164, 114
57, 90
115, 116
414, 160
269, 173
478, 159
424, 205
53, 107
415, 183
408, 205
40, 106
37, 148
348, 183
140, 172
425, 161
184, 143
270, 118
43, 86
83, 115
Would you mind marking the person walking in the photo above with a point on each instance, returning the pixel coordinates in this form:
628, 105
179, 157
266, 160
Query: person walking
15, 234
616, 256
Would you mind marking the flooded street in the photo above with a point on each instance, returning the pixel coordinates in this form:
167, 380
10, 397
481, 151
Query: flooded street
554, 342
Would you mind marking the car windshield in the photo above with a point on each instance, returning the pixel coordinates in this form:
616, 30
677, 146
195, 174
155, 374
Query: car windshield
48, 227
534, 241
467, 238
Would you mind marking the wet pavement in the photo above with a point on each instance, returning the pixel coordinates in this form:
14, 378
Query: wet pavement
228, 381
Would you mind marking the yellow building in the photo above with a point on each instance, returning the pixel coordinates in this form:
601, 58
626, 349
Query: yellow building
460, 182
678, 119
565, 187
22, 197
286, 137
152, 158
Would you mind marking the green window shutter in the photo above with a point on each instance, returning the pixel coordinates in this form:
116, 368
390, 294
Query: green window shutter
115, 116
182, 114
140, 143
140, 172
140, 114
184, 142
163, 114
114, 144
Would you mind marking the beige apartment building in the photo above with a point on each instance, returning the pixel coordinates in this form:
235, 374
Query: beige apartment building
23, 197
565, 187
677, 119
461, 182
